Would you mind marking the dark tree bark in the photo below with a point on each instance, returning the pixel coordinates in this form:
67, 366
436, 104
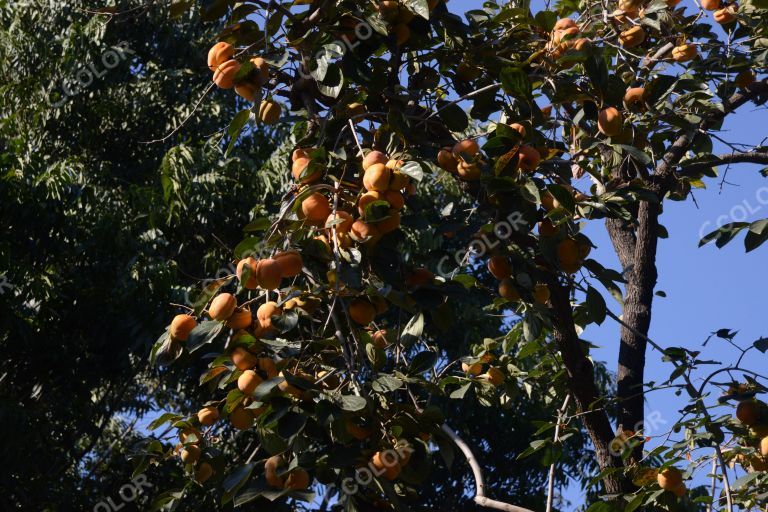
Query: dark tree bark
581, 382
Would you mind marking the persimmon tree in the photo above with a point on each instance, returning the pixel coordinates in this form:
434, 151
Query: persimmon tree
428, 150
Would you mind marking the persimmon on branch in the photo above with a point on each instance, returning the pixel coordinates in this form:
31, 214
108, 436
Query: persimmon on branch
344, 267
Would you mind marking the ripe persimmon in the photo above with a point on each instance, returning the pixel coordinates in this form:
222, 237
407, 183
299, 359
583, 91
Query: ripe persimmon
248, 90
546, 228
241, 418
390, 223
726, 14
684, 52
528, 158
203, 472
499, 266
394, 198
508, 291
633, 36
361, 311
748, 412
634, 98
222, 306
446, 160
494, 376
304, 171
377, 177
609, 121
265, 313
240, 319
402, 33
466, 148
269, 111
242, 359
341, 220
315, 208
190, 454
271, 467
298, 480
220, 53
268, 273
399, 181
181, 326
267, 366
224, 76
363, 231
419, 277
374, 157
669, 478
541, 293
379, 338
468, 171
290, 263
248, 381
473, 369
260, 70
250, 263
208, 415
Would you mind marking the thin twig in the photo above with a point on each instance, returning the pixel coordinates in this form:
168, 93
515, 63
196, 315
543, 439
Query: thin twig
551, 483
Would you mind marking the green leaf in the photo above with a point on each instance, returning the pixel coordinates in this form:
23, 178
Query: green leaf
386, 384
745, 479
260, 224
641, 156
459, 393
422, 362
634, 503
605, 506
163, 419
235, 127
413, 169
596, 306
546, 19
350, 403
413, 330
419, 7
724, 234
203, 334
761, 345
453, 116
757, 235
515, 82
333, 83
237, 479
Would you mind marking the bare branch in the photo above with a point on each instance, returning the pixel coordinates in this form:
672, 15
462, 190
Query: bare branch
692, 167
480, 497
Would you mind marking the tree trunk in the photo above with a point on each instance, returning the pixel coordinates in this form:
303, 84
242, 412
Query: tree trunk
637, 253
581, 383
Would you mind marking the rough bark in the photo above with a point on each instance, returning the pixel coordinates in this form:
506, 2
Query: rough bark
581, 382
636, 246
637, 254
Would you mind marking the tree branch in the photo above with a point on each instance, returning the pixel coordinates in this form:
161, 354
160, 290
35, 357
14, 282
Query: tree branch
693, 167
556, 437
480, 497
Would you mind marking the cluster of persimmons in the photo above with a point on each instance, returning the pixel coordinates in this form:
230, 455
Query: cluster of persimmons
342, 217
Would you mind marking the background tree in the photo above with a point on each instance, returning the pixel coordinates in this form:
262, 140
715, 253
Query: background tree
99, 229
